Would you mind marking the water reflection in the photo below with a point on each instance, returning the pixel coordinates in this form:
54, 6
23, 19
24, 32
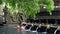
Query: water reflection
12, 30
29, 32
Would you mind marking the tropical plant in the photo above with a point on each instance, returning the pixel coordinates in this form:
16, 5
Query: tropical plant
28, 8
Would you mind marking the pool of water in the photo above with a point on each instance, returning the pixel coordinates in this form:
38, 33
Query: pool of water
11, 30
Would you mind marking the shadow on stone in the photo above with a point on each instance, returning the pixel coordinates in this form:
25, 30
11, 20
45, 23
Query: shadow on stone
58, 32
51, 30
42, 29
33, 28
28, 27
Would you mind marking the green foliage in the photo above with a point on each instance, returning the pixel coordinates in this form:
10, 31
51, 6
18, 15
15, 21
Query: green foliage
0, 1
30, 7
49, 4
